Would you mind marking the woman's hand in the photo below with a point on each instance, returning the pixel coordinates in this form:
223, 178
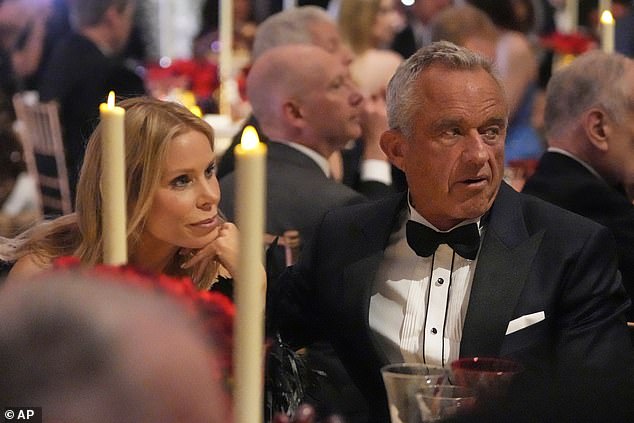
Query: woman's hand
223, 249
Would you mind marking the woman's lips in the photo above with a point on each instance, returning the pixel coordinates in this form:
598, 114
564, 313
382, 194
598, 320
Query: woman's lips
207, 223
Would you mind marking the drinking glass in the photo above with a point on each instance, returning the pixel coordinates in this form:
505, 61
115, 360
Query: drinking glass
489, 377
439, 402
402, 382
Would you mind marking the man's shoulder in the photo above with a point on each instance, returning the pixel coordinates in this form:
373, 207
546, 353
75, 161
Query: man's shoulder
538, 213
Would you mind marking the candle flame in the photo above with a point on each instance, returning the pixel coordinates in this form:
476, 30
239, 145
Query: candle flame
607, 18
111, 100
250, 139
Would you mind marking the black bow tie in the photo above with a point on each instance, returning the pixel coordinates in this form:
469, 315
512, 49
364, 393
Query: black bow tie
464, 240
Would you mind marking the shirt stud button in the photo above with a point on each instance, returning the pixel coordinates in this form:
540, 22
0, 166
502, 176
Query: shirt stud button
434, 331
440, 281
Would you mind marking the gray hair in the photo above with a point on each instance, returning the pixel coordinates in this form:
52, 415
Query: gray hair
402, 95
290, 26
86, 13
594, 79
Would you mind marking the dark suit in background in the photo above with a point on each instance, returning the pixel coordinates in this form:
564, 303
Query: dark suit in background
79, 76
298, 192
534, 257
563, 181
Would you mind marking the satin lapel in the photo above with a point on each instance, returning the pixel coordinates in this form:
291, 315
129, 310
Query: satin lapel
503, 267
359, 275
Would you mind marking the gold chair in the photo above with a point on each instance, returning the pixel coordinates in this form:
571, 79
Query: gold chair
40, 133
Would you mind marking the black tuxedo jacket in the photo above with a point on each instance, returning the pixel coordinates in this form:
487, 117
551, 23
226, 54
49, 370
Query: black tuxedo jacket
534, 257
565, 182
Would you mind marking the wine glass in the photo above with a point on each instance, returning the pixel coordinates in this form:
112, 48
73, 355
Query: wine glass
489, 377
439, 402
402, 382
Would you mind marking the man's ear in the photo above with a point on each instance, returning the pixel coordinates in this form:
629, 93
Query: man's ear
394, 145
597, 126
292, 112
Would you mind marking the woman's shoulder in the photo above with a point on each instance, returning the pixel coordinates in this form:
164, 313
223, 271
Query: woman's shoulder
29, 266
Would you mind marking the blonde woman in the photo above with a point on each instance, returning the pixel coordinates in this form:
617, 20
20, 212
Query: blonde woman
174, 225
368, 27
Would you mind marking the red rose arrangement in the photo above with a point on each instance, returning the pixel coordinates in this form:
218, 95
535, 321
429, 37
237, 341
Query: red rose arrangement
574, 44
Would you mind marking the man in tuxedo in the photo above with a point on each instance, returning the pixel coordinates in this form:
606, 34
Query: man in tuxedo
84, 66
589, 123
463, 265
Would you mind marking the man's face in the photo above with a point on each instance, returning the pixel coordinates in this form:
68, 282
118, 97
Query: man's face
332, 104
122, 26
326, 35
454, 159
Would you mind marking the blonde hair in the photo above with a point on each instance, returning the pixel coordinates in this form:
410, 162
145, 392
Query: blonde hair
356, 19
149, 126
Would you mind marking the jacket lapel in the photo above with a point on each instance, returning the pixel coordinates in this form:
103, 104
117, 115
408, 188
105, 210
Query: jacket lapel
503, 266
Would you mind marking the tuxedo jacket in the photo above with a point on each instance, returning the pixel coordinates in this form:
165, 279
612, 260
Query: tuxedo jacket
563, 181
298, 192
534, 258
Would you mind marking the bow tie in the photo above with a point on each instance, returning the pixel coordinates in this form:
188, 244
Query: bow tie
464, 240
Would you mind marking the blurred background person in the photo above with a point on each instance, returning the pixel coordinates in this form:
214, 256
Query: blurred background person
590, 159
369, 27
516, 60
88, 349
84, 66
308, 108
363, 167
417, 31
19, 202
29, 30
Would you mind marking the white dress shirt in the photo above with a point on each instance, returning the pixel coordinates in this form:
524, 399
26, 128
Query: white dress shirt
419, 304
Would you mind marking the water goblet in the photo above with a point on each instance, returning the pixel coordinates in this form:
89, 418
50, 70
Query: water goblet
402, 382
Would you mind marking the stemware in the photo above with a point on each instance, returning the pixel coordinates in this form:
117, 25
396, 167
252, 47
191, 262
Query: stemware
402, 382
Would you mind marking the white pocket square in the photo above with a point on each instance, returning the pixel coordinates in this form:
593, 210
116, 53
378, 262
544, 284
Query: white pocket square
525, 321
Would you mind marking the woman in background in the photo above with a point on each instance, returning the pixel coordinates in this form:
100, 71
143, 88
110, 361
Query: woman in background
368, 27
516, 60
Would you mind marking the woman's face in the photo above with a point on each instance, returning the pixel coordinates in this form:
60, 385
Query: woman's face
385, 24
184, 211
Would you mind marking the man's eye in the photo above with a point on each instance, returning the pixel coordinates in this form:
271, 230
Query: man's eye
451, 132
491, 133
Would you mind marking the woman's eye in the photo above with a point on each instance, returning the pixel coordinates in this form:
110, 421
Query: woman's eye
211, 169
180, 181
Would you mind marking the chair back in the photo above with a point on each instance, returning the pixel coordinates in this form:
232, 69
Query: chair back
39, 130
